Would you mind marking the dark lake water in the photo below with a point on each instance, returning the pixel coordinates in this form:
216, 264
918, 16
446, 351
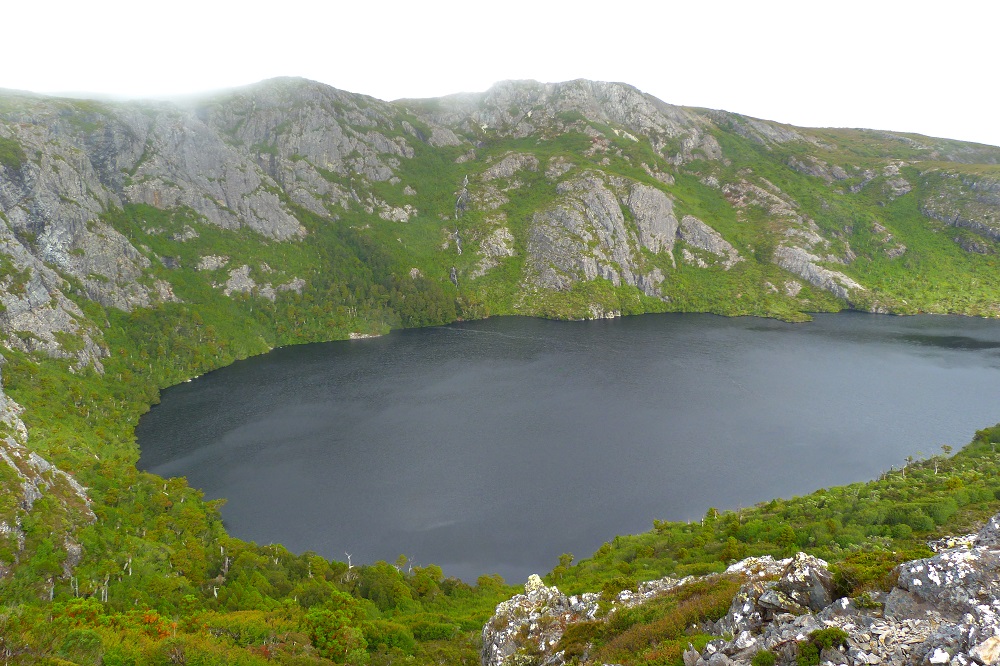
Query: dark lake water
494, 446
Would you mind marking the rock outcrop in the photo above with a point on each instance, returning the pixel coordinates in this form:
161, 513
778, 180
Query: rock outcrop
518, 109
537, 619
943, 610
584, 235
964, 202
498, 244
510, 165
317, 144
697, 234
809, 267
36, 315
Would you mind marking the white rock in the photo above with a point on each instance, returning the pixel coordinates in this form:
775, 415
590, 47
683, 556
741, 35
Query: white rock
534, 584
987, 652
745, 640
939, 657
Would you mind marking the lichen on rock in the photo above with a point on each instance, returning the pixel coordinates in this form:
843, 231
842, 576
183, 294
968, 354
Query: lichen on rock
943, 610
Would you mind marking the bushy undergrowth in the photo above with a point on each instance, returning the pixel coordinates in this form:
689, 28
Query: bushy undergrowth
866, 528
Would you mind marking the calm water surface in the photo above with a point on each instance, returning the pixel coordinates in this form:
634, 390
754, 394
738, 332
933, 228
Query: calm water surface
494, 446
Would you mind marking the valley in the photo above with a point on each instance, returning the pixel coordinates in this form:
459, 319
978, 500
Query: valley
146, 243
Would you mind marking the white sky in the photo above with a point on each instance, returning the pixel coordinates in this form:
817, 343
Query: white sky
912, 66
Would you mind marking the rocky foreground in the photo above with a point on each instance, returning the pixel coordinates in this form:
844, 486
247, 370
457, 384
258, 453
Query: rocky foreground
943, 610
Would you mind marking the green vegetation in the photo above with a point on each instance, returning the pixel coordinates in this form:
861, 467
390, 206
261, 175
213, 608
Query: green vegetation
155, 578
656, 632
226, 601
865, 528
819, 640
11, 154
764, 658
160, 579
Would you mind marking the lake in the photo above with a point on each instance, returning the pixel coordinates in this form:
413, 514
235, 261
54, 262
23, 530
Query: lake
494, 446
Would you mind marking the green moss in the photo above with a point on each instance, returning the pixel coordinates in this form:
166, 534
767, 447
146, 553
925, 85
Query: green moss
264, 149
12, 155
70, 342
764, 658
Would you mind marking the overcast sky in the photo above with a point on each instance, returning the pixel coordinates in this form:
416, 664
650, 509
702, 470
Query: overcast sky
908, 66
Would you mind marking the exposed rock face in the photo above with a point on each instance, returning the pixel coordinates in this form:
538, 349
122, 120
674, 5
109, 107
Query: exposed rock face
760, 131
774, 587
188, 165
522, 108
510, 165
807, 266
391, 213
798, 251
966, 203
538, 618
896, 184
50, 206
558, 167
943, 610
816, 167
584, 236
697, 234
311, 138
240, 282
654, 217
960, 588
35, 310
892, 247
212, 262
496, 246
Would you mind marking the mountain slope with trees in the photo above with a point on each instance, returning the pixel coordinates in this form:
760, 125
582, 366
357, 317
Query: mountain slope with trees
142, 244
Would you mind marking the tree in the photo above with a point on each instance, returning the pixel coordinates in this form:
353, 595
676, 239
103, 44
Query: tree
334, 629
425, 580
786, 538
732, 550
401, 562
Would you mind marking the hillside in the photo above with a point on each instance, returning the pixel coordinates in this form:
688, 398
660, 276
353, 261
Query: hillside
145, 243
